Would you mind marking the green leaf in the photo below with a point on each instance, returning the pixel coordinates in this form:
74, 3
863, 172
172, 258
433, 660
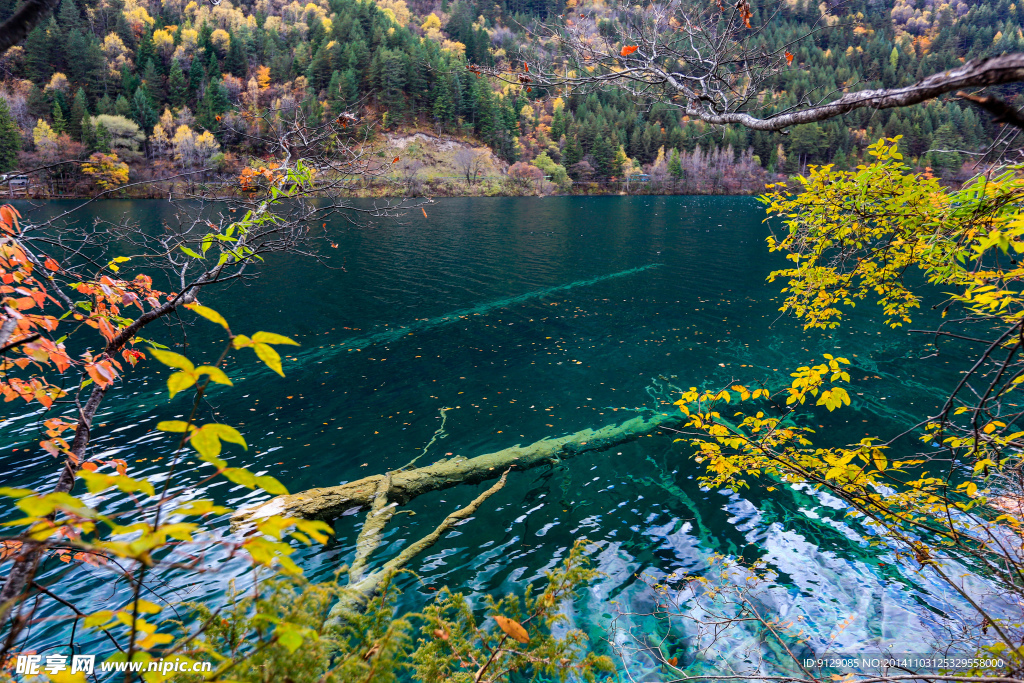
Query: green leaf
172, 359
180, 381
272, 338
290, 638
209, 314
189, 251
216, 374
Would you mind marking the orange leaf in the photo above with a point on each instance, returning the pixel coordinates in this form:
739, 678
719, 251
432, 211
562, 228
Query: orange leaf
51, 264
529, 90
513, 629
89, 466
424, 211
674, 661
526, 67
789, 58
627, 50
395, 160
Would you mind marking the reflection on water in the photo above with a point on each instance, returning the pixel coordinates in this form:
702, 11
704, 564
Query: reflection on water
530, 318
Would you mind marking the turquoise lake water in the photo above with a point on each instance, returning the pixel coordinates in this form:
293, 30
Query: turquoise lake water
532, 318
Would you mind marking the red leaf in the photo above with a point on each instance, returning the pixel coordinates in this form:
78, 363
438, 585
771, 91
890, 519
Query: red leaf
789, 58
526, 67
627, 50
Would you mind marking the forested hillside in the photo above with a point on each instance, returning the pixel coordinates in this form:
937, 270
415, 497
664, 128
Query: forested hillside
160, 84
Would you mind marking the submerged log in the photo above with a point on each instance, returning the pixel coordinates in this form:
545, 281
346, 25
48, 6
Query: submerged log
330, 502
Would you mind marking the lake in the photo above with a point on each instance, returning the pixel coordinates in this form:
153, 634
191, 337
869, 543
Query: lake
529, 318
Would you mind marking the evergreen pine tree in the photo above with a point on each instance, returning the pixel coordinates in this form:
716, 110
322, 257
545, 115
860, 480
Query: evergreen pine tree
10, 138
154, 81
177, 86
143, 112
215, 102
60, 124
196, 76
105, 105
69, 17
88, 133
603, 153
674, 165
122, 107
212, 67
79, 110
129, 81
573, 153
235, 61
146, 50
38, 62
103, 139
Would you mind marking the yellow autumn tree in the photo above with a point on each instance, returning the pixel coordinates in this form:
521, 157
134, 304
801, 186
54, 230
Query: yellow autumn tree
263, 76
106, 170
221, 41
115, 52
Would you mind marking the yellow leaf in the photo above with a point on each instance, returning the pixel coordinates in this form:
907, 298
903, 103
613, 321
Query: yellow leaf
271, 338
880, 461
172, 359
180, 381
513, 629
215, 374
268, 355
209, 314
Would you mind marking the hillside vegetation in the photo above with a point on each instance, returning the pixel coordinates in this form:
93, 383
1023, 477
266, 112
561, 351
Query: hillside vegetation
151, 88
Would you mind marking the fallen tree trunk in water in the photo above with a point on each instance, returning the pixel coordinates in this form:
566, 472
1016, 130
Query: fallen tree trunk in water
383, 492
330, 502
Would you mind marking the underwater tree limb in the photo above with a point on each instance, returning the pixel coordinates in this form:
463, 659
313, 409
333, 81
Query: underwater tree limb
330, 502
369, 536
359, 592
